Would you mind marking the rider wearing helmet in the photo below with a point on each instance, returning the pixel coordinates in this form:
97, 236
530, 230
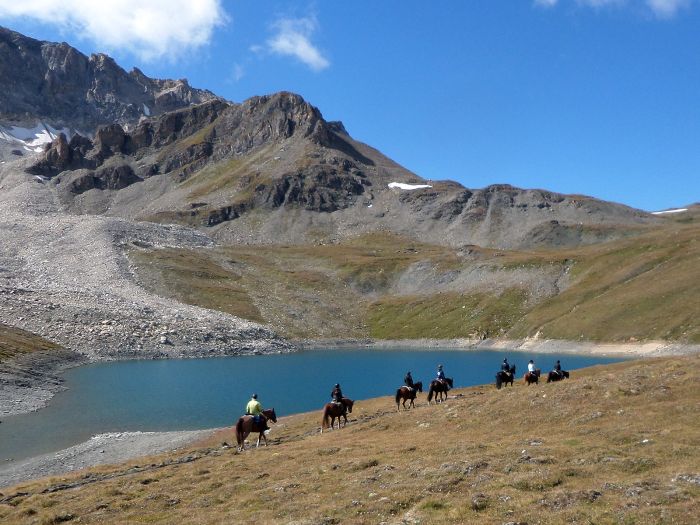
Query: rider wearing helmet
440, 373
337, 394
254, 408
408, 380
505, 366
557, 368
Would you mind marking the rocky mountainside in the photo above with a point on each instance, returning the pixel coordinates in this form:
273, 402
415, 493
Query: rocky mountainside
273, 170
46, 88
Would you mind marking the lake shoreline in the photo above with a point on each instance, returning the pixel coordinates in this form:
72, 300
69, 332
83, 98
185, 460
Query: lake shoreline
101, 449
541, 346
116, 447
29, 381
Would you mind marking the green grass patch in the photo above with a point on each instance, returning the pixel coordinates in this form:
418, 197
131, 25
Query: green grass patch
195, 278
448, 315
14, 341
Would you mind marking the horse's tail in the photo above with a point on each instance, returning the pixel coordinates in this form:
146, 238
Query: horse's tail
398, 396
239, 431
430, 394
498, 381
326, 421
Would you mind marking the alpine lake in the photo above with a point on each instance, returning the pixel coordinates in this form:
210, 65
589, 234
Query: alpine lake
186, 394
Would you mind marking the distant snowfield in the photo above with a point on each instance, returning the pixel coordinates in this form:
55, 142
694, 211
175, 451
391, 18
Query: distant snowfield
402, 186
675, 210
31, 139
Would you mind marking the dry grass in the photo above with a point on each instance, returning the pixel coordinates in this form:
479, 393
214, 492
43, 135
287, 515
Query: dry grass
642, 288
646, 287
615, 444
14, 341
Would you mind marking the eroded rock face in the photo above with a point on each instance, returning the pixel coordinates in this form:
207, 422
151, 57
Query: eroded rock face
54, 82
61, 155
109, 178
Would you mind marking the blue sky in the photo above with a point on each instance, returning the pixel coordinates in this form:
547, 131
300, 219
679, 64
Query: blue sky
599, 97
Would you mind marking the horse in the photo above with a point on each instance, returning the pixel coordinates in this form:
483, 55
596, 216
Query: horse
408, 394
333, 411
246, 425
554, 376
438, 388
532, 377
503, 377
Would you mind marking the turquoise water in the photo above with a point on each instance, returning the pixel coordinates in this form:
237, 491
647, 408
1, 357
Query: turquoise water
182, 394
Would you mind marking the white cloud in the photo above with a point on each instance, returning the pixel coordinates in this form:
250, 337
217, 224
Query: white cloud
661, 8
238, 72
293, 38
667, 8
149, 29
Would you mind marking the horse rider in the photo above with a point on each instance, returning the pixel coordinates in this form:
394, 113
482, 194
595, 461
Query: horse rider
408, 380
441, 377
531, 366
254, 408
505, 367
337, 394
557, 368
440, 374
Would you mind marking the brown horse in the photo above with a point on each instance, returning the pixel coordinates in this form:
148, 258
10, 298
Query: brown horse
333, 411
408, 394
246, 425
438, 388
532, 377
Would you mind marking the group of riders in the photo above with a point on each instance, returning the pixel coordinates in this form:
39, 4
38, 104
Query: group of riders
254, 407
508, 369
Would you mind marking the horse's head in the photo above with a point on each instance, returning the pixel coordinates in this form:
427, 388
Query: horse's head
449, 381
418, 386
512, 369
270, 414
348, 403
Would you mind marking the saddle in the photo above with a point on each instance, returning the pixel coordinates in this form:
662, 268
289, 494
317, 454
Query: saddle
259, 422
410, 388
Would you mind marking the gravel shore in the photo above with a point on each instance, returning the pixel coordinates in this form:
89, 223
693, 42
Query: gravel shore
103, 449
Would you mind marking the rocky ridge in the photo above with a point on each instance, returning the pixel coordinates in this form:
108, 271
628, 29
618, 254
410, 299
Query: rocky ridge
56, 87
272, 170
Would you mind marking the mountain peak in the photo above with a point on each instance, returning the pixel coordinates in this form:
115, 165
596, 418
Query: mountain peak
48, 83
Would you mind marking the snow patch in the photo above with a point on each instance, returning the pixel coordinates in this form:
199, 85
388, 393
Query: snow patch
675, 210
32, 139
403, 186
146, 110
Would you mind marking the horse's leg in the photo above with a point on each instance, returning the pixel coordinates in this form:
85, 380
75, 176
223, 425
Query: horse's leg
264, 437
243, 436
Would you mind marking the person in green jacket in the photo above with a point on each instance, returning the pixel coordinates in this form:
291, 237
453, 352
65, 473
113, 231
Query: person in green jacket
254, 408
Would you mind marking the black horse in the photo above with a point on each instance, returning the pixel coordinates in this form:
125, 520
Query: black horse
439, 389
557, 376
503, 377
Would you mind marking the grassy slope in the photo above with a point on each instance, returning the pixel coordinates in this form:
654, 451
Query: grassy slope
646, 287
14, 341
614, 444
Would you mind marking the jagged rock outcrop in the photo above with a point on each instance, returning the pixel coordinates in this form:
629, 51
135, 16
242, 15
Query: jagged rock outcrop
55, 83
